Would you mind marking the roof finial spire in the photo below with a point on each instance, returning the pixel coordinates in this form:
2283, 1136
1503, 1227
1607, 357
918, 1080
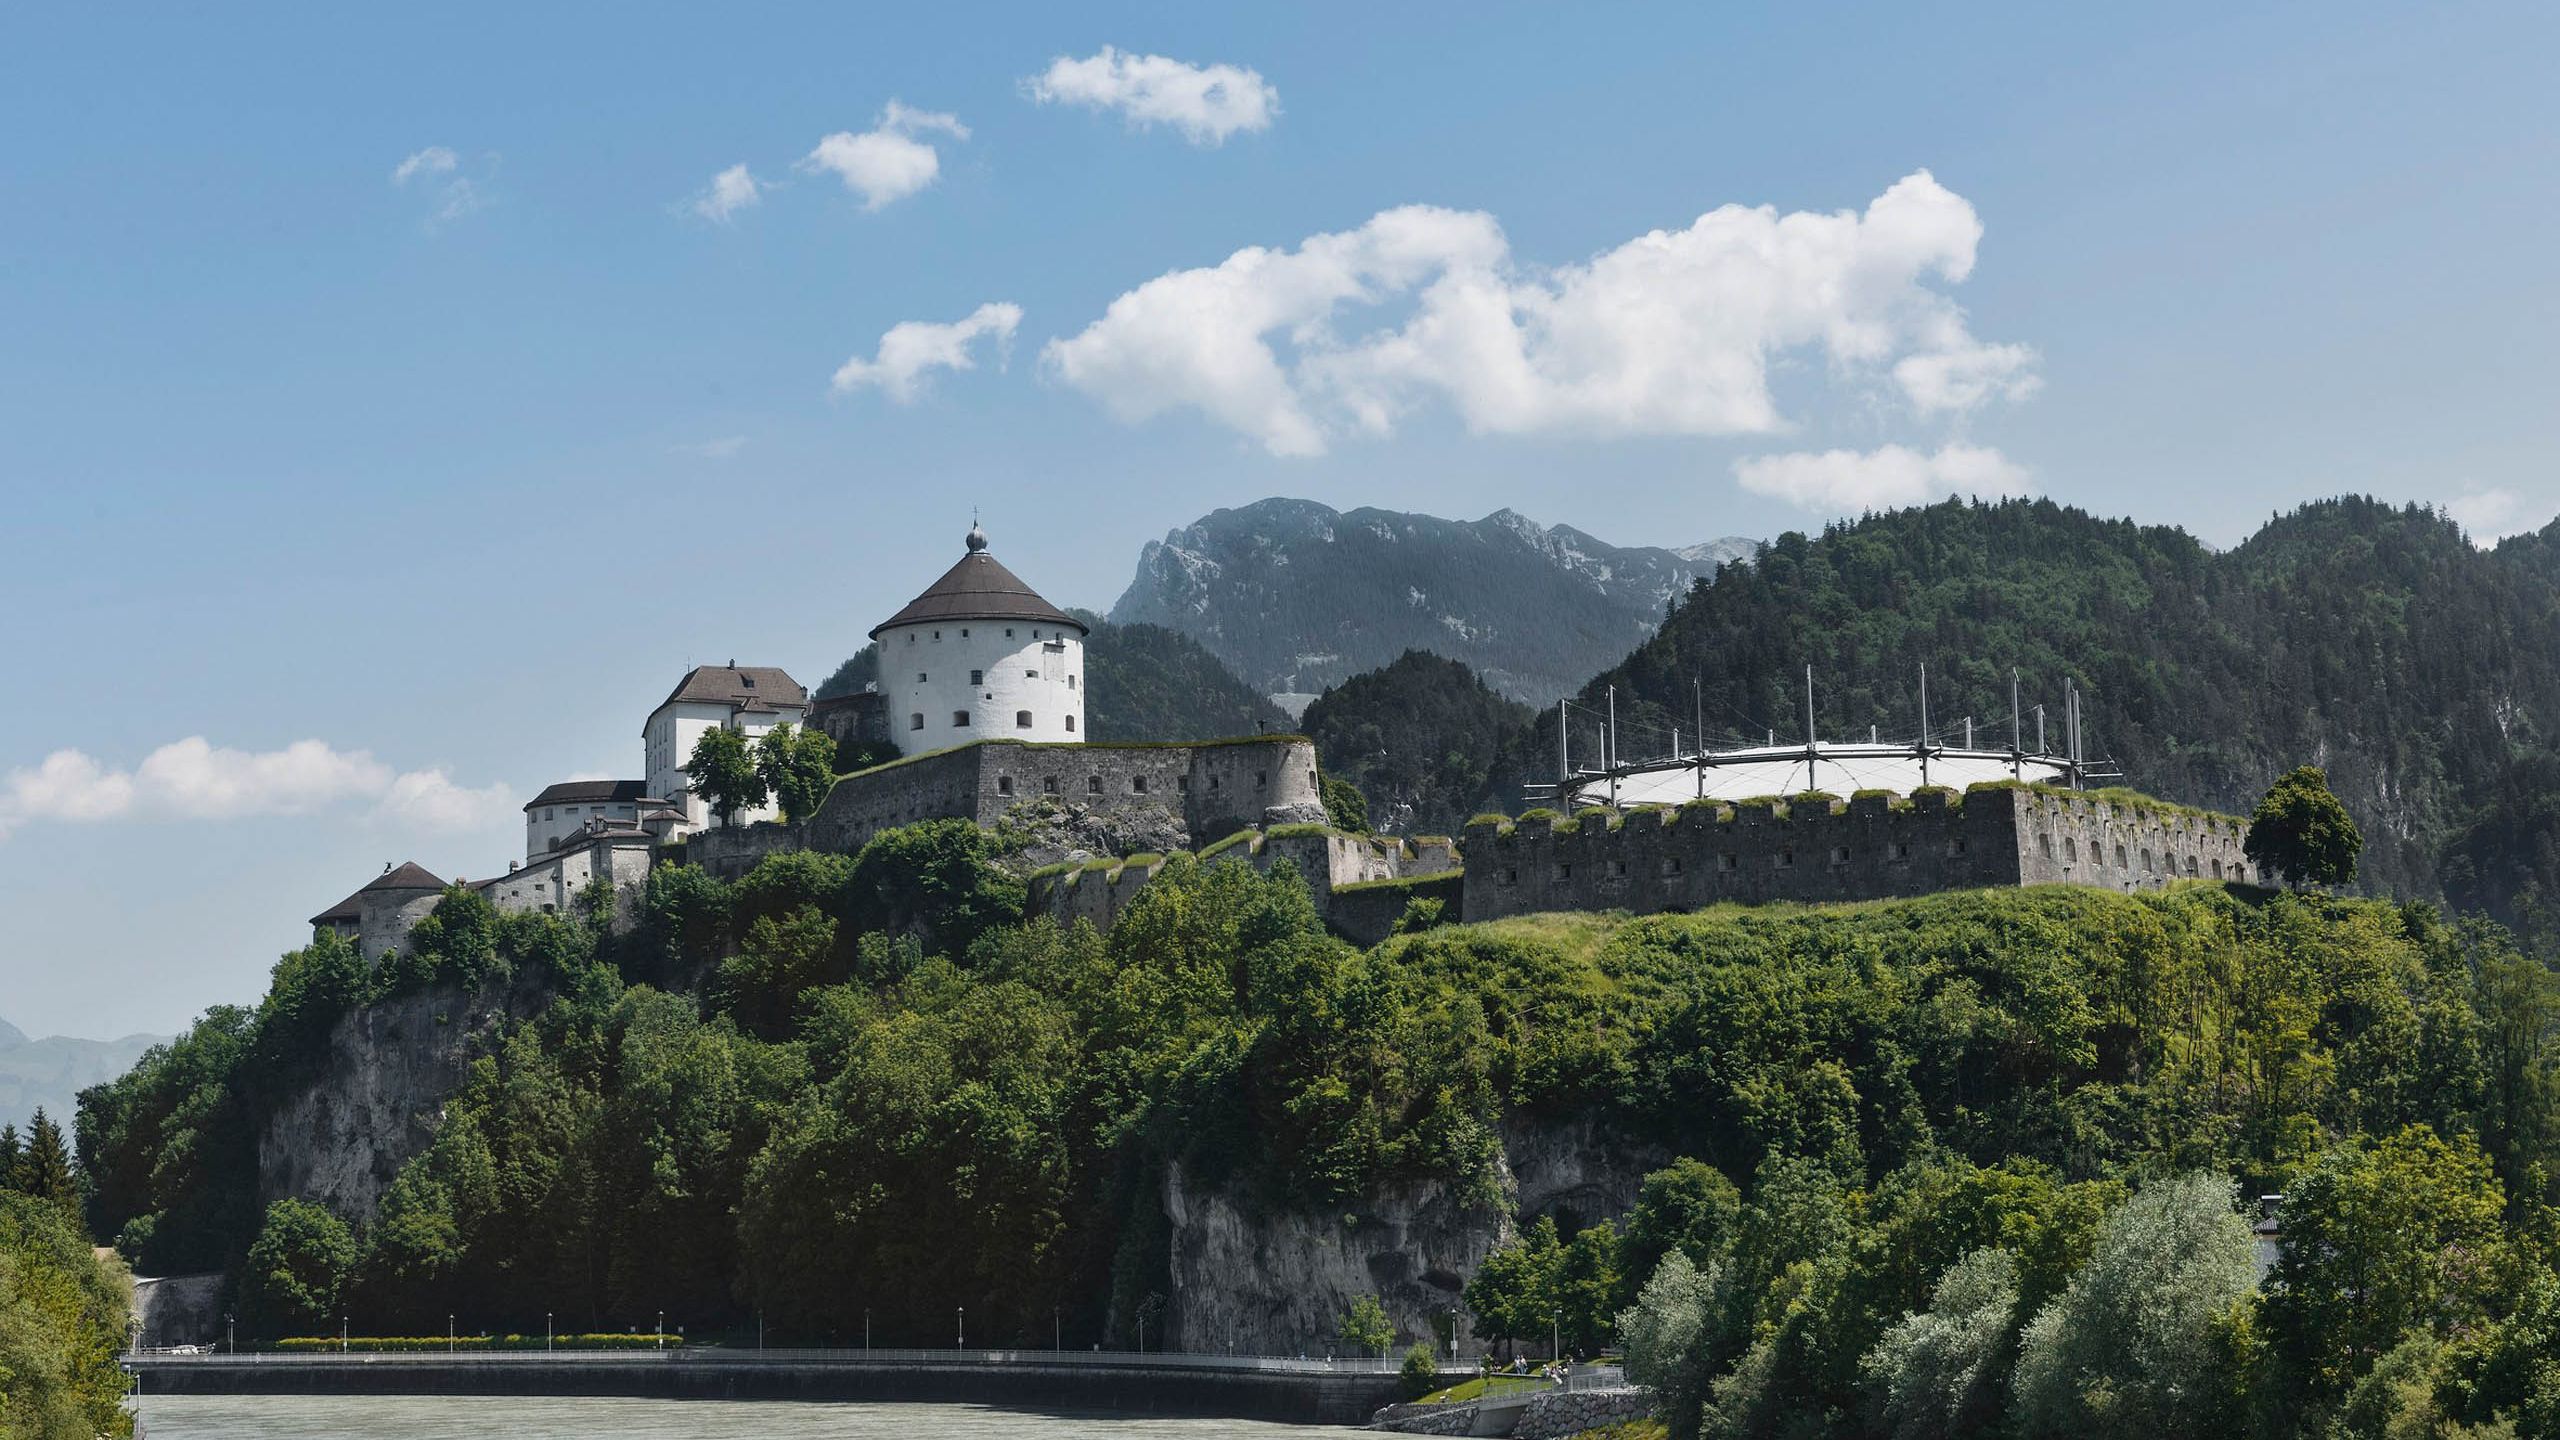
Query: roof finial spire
977, 538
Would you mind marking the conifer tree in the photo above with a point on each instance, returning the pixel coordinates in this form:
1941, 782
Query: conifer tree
45, 1169
12, 1150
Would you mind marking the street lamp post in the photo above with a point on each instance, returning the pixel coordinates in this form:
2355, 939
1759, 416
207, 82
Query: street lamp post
1057, 1329
963, 1312
1555, 1341
546, 1332
231, 1332
866, 1329
662, 1329
448, 1334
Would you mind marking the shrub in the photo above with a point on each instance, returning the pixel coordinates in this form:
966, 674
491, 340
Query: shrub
1421, 1372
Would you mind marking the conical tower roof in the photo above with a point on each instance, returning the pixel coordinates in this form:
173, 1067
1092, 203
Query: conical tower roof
978, 588
409, 875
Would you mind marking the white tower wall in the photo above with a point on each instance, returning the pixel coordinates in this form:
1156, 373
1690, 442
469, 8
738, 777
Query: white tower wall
1008, 679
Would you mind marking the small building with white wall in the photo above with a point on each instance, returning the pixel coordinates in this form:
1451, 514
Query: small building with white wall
980, 656
568, 808
750, 699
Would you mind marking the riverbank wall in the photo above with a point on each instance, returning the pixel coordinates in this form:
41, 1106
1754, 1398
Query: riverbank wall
1297, 1392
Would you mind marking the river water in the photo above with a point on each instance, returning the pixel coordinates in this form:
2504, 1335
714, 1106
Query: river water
403, 1417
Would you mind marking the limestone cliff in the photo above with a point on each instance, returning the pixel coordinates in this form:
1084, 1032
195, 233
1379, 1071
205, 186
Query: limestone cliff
376, 1093
1278, 1283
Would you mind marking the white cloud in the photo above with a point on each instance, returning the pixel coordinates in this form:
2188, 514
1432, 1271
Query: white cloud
192, 779
1837, 482
429, 800
886, 163
438, 171
434, 160
2488, 514
729, 192
1671, 333
1207, 103
912, 347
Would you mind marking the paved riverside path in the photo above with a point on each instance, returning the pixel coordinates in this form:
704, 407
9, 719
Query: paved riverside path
1314, 1392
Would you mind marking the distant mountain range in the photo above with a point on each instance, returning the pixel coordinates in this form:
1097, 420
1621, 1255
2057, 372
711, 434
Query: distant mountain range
49, 1074
1297, 597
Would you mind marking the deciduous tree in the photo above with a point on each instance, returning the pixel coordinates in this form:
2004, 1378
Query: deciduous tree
2301, 832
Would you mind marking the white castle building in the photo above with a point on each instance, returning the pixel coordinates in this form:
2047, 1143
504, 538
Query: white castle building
980, 656
750, 699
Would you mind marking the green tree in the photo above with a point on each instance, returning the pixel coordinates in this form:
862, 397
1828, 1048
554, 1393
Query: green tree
1345, 808
46, 1172
2138, 1345
2302, 833
63, 1320
1688, 1206
297, 1270
12, 1152
797, 767
1936, 1374
2384, 1240
1513, 1291
1672, 1339
1365, 1326
723, 772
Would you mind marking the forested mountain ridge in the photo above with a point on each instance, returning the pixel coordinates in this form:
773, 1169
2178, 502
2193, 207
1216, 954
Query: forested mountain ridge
1142, 683
2372, 639
1297, 596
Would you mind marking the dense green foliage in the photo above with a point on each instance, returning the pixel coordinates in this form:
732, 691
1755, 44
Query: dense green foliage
725, 774
797, 766
2424, 671
2301, 833
62, 1323
841, 1086
1422, 737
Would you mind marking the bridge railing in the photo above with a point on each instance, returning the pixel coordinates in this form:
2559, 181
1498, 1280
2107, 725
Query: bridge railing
851, 1358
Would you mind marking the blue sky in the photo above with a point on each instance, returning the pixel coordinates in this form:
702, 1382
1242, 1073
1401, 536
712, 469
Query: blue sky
454, 475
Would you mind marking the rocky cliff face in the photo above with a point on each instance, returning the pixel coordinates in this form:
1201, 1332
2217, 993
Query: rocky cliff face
1279, 1283
377, 1094
1296, 596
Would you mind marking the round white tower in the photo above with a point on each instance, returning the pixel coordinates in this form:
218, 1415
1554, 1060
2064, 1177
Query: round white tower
980, 656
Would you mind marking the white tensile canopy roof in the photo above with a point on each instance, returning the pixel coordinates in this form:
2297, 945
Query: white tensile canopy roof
1839, 769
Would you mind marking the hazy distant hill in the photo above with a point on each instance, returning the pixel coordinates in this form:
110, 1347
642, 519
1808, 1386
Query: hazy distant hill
50, 1073
1298, 597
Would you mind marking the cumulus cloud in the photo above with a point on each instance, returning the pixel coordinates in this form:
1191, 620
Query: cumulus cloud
886, 163
193, 779
429, 800
912, 347
436, 171
2488, 514
729, 192
1207, 103
1671, 333
1835, 482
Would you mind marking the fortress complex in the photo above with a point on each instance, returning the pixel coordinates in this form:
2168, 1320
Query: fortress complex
981, 695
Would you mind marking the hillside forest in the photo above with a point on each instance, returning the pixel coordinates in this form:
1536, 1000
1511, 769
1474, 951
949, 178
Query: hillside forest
1917, 1160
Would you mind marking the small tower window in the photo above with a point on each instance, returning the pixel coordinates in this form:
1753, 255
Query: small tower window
1008, 632
1021, 719
1137, 784
919, 677
1030, 674
977, 677
1004, 784
964, 632
959, 717
1071, 682
1071, 722
1093, 784
1048, 784
916, 721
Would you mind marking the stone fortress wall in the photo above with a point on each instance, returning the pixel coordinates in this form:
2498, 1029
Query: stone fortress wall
1871, 847
1361, 883
1159, 797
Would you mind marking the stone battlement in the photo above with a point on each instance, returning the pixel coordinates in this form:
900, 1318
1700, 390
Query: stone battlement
1871, 847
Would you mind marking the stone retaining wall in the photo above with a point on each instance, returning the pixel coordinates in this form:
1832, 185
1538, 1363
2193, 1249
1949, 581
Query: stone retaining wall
1555, 1413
